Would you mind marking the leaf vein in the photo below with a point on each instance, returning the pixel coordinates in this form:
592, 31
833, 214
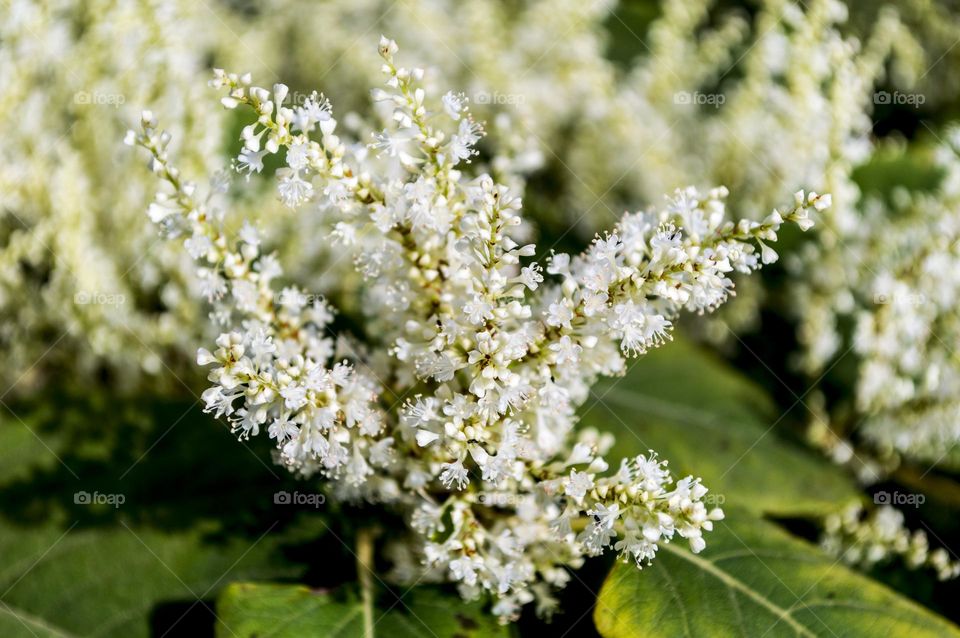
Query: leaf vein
730, 581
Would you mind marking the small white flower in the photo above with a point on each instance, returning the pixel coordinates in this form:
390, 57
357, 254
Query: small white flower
295, 397
577, 485
454, 104
297, 157
250, 161
462, 144
198, 246
560, 314
294, 190
566, 351
454, 474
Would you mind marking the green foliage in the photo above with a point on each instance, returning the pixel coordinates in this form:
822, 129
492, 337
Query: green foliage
154, 562
893, 167
755, 580
729, 437
110, 581
248, 610
135, 570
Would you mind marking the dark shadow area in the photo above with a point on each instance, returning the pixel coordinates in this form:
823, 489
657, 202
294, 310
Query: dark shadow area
183, 619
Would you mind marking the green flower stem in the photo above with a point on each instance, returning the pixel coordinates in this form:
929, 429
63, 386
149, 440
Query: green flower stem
365, 575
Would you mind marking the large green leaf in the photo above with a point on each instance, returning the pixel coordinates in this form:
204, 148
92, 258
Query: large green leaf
109, 582
710, 421
251, 610
75, 569
755, 580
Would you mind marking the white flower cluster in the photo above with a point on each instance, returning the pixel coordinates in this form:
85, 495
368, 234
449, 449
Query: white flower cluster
323, 417
782, 58
712, 96
627, 135
462, 416
899, 284
869, 538
84, 288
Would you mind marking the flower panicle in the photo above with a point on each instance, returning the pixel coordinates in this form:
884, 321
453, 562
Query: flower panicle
484, 352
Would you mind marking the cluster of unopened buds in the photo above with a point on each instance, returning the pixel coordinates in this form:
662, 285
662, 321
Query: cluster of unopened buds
454, 401
871, 537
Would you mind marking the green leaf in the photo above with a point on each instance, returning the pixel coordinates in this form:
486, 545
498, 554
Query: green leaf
75, 569
710, 421
755, 580
248, 610
108, 582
